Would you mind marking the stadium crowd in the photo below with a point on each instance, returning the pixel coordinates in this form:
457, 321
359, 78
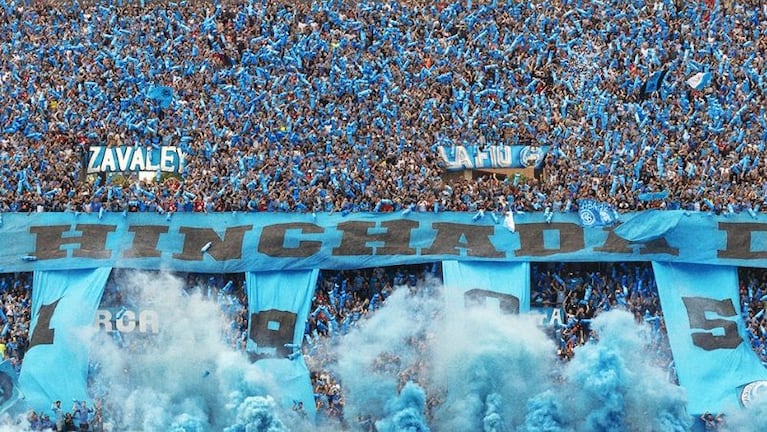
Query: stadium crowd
582, 290
343, 299
341, 106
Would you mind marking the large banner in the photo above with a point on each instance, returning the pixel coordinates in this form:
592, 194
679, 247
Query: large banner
9, 386
135, 158
278, 304
713, 356
55, 366
478, 283
239, 242
458, 158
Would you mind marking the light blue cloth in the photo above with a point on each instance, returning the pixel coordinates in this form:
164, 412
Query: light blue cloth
292, 292
510, 278
712, 355
163, 95
59, 370
649, 225
289, 291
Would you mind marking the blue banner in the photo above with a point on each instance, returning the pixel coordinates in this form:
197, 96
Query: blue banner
458, 158
162, 95
653, 82
55, 366
479, 283
239, 242
713, 357
648, 225
278, 304
595, 213
9, 386
135, 158
653, 196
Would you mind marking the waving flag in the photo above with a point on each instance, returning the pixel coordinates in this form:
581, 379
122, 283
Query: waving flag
653, 83
648, 225
64, 303
699, 81
475, 283
595, 213
9, 386
162, 95
708, 336
279, 302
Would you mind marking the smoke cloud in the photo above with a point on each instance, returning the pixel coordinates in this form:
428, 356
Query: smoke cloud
413, 365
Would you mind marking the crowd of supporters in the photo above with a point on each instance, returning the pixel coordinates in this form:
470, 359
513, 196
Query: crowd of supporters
344, 299
753, 303
341, 106
582, 291
335, 106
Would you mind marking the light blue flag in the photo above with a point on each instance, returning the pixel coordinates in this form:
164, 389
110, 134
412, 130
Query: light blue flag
162, 95
9, 386
595, 213
700, 80
64, 304
506, 284
278, 303
713, 356
649, 225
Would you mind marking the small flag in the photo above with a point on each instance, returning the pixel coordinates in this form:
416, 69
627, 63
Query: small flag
163, 95
595, 213
653, 83
699, 81
508, 221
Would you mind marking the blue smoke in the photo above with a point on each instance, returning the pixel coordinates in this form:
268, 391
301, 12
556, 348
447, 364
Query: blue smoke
187, 379
544, 414
405, 413
499, 373
600, 374
372, 358
187, 423
615, 384
493, 422
479, 370
257, 414
488, 362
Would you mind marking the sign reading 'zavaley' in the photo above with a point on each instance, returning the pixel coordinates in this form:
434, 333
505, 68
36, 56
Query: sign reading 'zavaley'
132, 159
457, 158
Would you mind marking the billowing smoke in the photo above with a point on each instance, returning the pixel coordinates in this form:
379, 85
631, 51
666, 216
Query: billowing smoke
485, 371
406, 411
544, 414
184, 378
413, 365
387, 350
614, 383
487, 362
257, 413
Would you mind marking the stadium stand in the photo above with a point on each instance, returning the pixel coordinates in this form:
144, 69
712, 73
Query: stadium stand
342, 106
